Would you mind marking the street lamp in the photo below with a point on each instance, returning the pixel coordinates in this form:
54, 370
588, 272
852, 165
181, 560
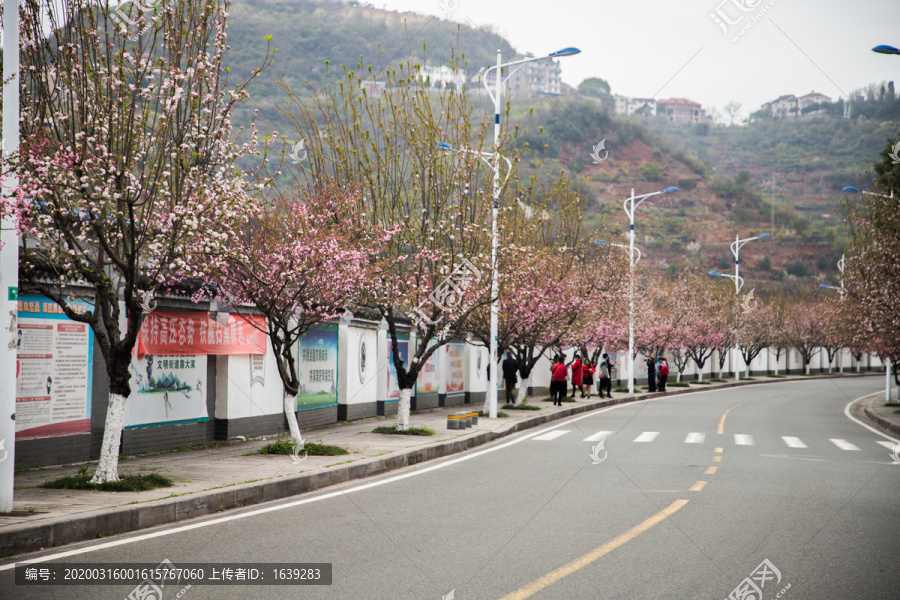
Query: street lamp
605, 243
885, 49
632, 261
495, 232
629, 205
738, 284
850, 188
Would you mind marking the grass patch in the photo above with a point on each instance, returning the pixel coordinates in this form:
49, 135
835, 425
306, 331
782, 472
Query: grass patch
500, 414
392, 430
128, 483
748, 379
892, 403
677, 384
284, 446
718, 380
521, 407
569, 399
778, 376
699, 382
621, 390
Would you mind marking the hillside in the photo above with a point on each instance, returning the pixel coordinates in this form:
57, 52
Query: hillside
733, 180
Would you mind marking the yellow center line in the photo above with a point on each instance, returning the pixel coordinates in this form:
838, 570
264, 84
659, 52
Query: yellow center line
711, 470
717, 459
697, 486
568, 569
722, 421
719, 450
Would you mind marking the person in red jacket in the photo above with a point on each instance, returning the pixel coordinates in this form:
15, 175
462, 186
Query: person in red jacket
558, 372
576, 375
587, 377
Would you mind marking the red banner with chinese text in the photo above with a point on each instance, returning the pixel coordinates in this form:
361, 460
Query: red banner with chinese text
171, 333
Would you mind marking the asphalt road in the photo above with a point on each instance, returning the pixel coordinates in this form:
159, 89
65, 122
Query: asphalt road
686, 497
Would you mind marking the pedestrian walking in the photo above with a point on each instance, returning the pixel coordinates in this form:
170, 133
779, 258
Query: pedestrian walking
662, 373
510, 376
576, 375
558, 372
651, 375
587, 377
606, 376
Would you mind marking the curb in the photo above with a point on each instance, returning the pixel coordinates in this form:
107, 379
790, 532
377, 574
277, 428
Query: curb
25, 538
875, 419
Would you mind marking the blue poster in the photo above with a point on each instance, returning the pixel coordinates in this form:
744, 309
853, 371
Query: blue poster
317, 365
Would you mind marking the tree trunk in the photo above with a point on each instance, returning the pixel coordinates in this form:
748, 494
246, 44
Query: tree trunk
403, 409
678, 377
108, 468
700, 374
807, 367
290, 411
522, 392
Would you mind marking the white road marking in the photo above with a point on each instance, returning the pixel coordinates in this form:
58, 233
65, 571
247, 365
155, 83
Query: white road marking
843, 444
647, 436
552, 435
600, 435
743, 440
695, 438
887, 445
793, 442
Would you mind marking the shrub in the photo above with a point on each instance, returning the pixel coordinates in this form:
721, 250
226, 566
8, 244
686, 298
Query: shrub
128, 483
392, 430
285, 446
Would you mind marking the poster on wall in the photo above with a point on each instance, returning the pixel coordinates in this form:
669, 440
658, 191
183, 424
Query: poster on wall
427, 383
53, 369
166, 390
456, 376
317, 362
393, 387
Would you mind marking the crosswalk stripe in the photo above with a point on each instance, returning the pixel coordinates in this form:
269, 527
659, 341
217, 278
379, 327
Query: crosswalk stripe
597, 436
647, 436
695, 438
551, 435
843, 444
888, 445
743, 440
793, 442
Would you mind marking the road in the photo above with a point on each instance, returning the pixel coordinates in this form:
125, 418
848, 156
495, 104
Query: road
686, 497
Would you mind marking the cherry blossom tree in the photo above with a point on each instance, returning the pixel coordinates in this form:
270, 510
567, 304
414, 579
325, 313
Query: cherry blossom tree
805, 328
436, 266
754, 332
127, 164
300, 263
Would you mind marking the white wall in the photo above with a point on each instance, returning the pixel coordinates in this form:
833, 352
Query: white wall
358, 378
236, 397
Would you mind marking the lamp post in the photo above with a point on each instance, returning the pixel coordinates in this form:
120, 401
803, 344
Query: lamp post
9, 256
631, 250
629, 205
495, 232
887, 360
738, 284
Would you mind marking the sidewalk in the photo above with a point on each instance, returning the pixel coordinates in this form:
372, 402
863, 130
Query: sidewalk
873, 410
212, 480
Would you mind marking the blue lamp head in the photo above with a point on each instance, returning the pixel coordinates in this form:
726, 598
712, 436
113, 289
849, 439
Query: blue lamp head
444, 146
885, 49
824, 285
850, 188
762, 235
670, 189
713, 272
601, 242
565, 52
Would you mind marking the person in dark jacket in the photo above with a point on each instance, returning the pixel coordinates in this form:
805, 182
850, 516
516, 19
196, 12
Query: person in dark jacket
510, 376
651, 375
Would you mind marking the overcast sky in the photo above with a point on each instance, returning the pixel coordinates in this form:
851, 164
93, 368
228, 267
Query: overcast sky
674, 48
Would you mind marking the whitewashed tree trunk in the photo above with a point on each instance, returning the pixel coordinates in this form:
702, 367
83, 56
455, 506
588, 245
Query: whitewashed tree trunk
678, 377
290, 411
403, 409
108, 468
807, 368
700, 374
777, 357
522, 392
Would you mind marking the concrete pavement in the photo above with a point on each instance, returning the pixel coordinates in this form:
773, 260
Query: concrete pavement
229, 476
